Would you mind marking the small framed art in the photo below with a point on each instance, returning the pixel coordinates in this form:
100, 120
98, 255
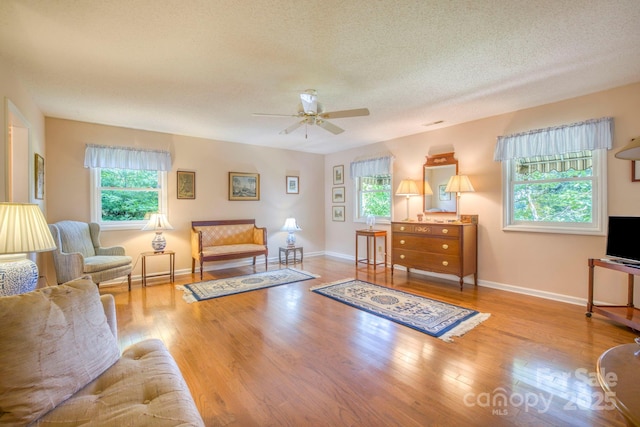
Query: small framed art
338, 175
244, 186
186, 185
337, 195
293, 185
337, 213
635, 170
39, 177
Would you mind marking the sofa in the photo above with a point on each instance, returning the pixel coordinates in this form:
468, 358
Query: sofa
79, 252
226, 239
61, 365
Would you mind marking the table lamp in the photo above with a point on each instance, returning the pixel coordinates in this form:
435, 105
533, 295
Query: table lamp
291, 226
158, 222
409, 189
23, 229
459, 184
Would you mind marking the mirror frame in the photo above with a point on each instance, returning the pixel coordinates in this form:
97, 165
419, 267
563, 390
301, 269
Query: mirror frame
435, 161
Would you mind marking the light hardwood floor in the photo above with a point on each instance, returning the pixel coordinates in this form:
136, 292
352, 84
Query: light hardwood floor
285, 356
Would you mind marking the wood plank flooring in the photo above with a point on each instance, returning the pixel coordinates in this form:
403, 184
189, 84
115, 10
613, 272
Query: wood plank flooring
285, 356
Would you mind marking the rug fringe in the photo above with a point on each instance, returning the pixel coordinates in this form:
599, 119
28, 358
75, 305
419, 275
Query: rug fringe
304, 272
464, 327
187, 296
324, 285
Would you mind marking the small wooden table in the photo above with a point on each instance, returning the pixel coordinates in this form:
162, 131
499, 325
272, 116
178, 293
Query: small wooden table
371, 238
618, 372
172, 265
286, 250
625, 314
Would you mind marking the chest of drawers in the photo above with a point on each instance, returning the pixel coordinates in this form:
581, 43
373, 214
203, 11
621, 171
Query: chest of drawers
439, 248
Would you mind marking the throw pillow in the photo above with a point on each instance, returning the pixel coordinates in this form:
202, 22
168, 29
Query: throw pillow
53, 342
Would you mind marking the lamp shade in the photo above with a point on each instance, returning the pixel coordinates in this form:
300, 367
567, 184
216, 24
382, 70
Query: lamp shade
427, 189
631, 151
291, 225
407, 188
459, 184
23, 228
157, 221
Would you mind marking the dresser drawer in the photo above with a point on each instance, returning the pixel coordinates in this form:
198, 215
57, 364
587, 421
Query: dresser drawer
441, 245
427, 261
427, 229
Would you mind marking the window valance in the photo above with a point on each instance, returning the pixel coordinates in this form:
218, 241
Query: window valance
588, 135
372, 166
104, 156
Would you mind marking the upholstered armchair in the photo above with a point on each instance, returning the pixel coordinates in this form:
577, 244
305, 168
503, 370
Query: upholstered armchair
78, 252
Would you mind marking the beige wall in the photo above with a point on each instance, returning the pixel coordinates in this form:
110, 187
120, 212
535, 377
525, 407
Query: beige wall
69, 192
551, 265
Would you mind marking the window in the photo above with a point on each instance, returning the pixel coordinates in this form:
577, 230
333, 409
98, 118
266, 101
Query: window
561, 189
372, 178
373, 197
123, 197
126, 184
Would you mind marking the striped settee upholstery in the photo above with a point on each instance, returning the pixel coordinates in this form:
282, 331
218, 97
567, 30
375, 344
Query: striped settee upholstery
226, 239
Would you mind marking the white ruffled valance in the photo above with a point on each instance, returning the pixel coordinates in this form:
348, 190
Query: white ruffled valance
373, 166
104, 156
588, 135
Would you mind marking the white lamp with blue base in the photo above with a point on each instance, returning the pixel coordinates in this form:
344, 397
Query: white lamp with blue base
23, 229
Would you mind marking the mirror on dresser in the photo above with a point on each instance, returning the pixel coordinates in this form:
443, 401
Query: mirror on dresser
436, 173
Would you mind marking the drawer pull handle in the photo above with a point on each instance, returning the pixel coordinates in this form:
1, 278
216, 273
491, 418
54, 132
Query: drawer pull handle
445, 231
445, 263
401, 256
402, 242
445, 246
402, 228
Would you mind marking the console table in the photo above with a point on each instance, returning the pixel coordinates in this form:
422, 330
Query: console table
371, 238
618, 372
625, 314
448, 248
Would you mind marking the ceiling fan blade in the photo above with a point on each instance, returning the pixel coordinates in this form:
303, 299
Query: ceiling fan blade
329, 126
345, 113
274, 115
293, 127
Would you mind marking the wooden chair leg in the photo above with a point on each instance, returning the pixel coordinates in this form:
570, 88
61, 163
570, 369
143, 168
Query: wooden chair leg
129, 281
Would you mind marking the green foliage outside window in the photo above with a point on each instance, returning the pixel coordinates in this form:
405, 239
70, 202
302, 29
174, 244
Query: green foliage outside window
128, 195
375, 196
553, 196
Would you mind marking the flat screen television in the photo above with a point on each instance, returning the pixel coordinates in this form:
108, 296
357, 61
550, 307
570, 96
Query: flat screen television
623, 239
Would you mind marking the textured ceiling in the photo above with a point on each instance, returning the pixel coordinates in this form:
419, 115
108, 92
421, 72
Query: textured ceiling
201, 68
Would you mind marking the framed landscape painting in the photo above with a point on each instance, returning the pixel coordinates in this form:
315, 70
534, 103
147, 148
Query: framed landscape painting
186, 185
338, 175
244, 186
337, 195
337, 213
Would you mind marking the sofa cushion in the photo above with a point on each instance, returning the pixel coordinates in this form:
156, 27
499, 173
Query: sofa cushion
144, 388
226, 234
230, 249
53, 342
98, 263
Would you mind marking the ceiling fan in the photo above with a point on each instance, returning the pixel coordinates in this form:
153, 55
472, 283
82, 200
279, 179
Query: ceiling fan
311, 112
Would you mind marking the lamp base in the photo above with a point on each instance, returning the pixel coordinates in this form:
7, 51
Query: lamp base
159, 242
291, 240
17, 276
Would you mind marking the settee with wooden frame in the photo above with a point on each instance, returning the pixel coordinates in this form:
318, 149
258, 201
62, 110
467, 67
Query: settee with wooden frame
221, 240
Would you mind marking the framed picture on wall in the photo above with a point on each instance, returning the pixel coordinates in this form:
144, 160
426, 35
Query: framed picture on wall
39, 177
337, 195
338, 175
244, 186
337, 213
635, 170
186, 185
293, 185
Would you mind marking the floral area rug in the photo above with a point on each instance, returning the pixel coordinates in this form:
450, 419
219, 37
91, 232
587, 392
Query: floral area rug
234, 285
436, 318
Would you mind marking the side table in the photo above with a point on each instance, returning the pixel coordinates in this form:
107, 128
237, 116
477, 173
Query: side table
617, 372
287, 251
371, 239
172, 265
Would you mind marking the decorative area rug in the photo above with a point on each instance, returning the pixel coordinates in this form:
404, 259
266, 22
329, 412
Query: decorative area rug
436, 318
234, 285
